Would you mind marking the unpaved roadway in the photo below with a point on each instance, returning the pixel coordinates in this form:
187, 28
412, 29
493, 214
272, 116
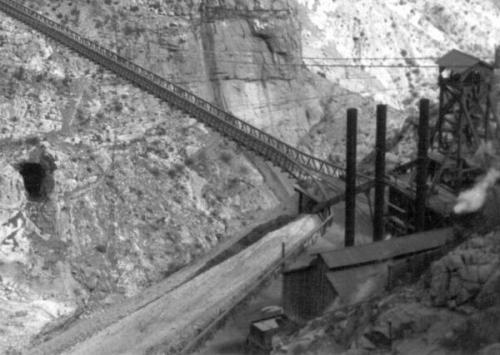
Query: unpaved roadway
175, 318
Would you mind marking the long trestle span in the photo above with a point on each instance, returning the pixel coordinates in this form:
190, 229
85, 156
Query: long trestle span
302, 166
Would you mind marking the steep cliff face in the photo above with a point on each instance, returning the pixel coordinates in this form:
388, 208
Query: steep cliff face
104, 190
241, 55
245, 56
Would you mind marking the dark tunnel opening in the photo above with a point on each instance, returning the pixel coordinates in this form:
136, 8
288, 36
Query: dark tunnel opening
34, 176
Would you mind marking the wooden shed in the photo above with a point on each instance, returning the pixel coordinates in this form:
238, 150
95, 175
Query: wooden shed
307, 291
349, 275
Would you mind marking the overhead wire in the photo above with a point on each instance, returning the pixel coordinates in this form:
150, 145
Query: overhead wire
356, 65
316, 97
325, 58
250, 52
286, 101
250, 55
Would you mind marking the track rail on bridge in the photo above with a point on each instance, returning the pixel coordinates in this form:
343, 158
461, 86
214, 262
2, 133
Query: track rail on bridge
302, 166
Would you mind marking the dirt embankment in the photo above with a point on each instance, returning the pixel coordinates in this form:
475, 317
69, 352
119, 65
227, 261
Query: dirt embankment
168, 323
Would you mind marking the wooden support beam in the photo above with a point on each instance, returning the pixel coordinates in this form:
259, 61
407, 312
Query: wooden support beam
364, 187
475, 136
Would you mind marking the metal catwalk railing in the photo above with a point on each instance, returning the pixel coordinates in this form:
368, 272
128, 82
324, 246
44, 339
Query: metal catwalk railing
303, 166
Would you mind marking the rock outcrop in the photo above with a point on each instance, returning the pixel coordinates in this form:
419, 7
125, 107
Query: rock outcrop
459, 276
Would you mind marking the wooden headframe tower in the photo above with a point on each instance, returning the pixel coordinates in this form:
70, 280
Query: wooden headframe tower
465, 119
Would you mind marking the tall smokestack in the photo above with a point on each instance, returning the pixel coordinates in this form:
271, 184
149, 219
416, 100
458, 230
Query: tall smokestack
380, 148
495, 90
350, 184
422, 162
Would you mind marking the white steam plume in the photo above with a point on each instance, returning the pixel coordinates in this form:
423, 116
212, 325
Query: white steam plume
473, 199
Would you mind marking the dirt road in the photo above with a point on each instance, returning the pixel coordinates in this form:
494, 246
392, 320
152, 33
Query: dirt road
168, 323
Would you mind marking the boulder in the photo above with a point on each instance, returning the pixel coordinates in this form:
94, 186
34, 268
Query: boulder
459, 276
405, 319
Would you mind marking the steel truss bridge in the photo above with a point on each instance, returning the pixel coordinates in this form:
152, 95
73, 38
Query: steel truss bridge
304, 167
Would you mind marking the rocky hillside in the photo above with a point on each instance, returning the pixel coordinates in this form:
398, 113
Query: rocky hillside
359, 46
119, 189
452, 310
105, 190
246, 56
411, 33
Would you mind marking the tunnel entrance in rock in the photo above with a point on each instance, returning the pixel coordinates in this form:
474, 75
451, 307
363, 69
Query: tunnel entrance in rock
35, 180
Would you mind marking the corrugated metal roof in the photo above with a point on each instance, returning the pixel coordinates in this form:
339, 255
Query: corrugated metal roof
386, 249
459, 61
266, 325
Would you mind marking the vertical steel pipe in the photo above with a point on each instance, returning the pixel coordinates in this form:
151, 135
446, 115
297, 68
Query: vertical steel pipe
380, 148
422, 163
495, 92
350, 188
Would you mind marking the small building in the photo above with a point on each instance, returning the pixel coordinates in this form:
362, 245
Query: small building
459, 66
320, 281
262, 331
307, 291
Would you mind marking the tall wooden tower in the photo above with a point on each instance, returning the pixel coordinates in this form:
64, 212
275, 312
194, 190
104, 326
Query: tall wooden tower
465, 119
